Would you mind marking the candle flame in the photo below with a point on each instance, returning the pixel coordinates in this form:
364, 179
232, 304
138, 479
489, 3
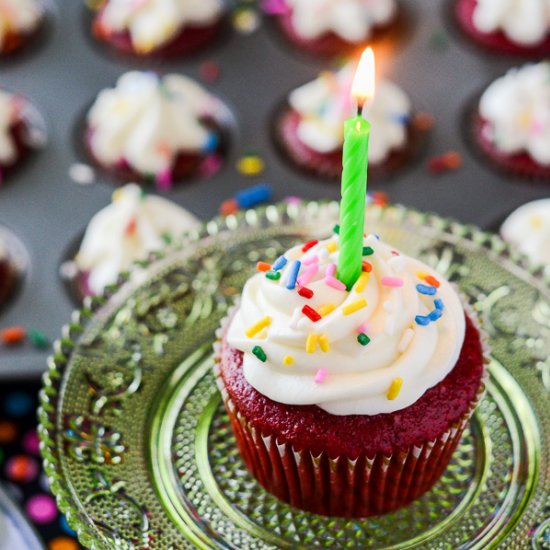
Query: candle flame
362, 88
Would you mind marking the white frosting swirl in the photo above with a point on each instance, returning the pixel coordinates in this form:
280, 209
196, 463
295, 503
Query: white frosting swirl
325, 103
8, 149
528, 229
147, 121
517, 108
128, 229
18, 17
152, 23
357, 378
525, 22
351, 20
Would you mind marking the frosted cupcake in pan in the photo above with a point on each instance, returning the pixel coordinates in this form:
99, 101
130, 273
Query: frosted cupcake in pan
125, 231
519, 27
154, 129
348, 402
332, 27
527, 229
310, 129
19, 20
512, 124
159, 27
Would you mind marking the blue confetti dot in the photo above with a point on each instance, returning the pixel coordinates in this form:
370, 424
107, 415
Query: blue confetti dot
211, 144
65, 526
18, 404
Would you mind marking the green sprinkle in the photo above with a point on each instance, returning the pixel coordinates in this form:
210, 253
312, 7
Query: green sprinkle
367, 251
38, 339
259, 353
167, 238
363, 339
273, 275
336, 229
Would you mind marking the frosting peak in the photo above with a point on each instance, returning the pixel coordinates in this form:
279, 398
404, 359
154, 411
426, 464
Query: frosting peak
374, 349
133, 225
8, 113
152, 23
325, 103
18, 17
516, 107
352, 20
147, 120
525, 22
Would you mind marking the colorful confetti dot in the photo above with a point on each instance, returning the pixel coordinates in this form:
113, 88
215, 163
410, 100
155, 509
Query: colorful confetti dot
368, 251
259, 353
250, 165
63, 543
8, 432
22, 469
41, 509
363, 339
31, 442
321, 376
288, 360
395, 388
18, 404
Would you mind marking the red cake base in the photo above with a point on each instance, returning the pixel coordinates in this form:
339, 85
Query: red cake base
329, 165
496, 41
8, 280
188, 41
19, 134
355, 465
520, 164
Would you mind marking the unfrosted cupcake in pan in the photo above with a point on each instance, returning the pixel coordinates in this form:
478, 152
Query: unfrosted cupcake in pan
348, 402
519, 27
527, 229
310, 128
512, 124
154, 129
159, 27
19, 20
125, 231
332, 27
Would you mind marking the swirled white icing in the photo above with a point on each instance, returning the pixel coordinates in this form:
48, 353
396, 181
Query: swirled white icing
349, 378
528, 229
18, 17
128, 229
351, 20
152, 23
147, 121
516, 107
8, 149
525, 22
325, 103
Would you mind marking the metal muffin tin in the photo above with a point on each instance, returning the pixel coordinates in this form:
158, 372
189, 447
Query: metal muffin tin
440, 70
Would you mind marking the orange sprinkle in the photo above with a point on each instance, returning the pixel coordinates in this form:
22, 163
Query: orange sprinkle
131, 227
432, 281
12, 335
263, 266
366, 266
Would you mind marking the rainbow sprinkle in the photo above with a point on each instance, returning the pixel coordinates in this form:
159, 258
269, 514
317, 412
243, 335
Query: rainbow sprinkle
273, 275
335, 283
354, 306
431, 280
368, 251
279, 263
293, 274
325, 309
311, 342
336, 229
308, 245
321, 376
263, 266
395, 388
331, 247
427, 290
361, 283
257, 327
324, 343
305, 292
308, 311
259, 353
308, 274
311, 260
394, 282
363, 339
288, 360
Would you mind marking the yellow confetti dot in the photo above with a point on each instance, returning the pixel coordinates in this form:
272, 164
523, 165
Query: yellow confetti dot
325, 309
250, 165
354, 306
395, 388
116, 195
288, 360
421, 274
536, 222
257, 327
311, 342
331, 246
324, 343
361, 283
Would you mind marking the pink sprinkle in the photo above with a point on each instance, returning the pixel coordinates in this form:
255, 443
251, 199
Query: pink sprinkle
164, 180
331, 270
311, 260
335, 283
275, 7
365, 327
307, 275
537, 126
321, 376
392, 281
210, 165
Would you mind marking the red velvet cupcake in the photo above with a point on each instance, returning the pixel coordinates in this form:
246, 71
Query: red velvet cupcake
521, 28
19, 21
152, 129
161, 28
512, 124
308, 130
332, 27
12, 265
349, 403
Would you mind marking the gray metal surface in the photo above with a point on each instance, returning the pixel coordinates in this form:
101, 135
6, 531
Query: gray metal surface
47, 210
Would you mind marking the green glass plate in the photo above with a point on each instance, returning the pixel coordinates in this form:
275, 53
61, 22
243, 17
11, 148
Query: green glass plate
139, 450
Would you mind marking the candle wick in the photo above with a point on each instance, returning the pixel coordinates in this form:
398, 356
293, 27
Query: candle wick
360, 105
